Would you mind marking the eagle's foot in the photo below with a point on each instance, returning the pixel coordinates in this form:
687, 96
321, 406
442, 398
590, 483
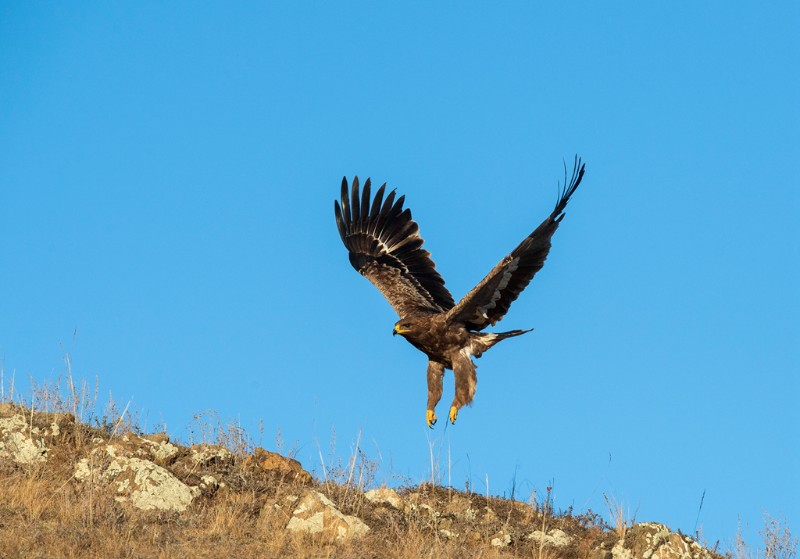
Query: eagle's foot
430, 417
453, 414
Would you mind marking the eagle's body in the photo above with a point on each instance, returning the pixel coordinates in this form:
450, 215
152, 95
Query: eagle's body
386, 248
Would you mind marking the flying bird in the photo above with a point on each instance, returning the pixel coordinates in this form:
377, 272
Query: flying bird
385, 247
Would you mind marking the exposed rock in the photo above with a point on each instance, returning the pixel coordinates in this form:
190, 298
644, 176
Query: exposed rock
291, 500
423, 510
159, 447
655, 541
210, 484
197, 461
206, 455
59, 422
385, 495
501, 540
149, 486
21, 442
148, 447
157, 438
600, 552
279, 466
83, 471
553, 538
144, 484
268, 490
316, 514
461, 508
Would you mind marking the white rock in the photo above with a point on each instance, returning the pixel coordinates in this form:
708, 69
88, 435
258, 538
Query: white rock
82, 470
152, 487
554, 538
501, 540
461, 508
210, 453
385, 495
210, 483
144, 484
21, 442
161, 451
650, 540
619, 551
316, 514
434, 514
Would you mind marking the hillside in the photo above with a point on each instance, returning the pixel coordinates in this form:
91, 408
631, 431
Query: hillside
71, 489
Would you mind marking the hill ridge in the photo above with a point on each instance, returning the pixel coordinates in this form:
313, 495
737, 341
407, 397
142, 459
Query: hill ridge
70, 489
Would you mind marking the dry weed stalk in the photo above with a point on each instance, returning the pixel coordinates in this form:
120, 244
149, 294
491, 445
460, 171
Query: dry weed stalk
619, 518
778, 540
545, 509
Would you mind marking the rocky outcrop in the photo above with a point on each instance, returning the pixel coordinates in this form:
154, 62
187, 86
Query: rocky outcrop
277, 466
22, 440
151, 473
649, 540
316, 514
384, 495
142, 483
20, 443
553, 538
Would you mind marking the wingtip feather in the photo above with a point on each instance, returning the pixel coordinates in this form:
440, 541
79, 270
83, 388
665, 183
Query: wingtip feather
345, 201
354, 201
569, 188
339, 222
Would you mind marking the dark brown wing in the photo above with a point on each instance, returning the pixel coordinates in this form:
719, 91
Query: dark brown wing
489, 301
386, 248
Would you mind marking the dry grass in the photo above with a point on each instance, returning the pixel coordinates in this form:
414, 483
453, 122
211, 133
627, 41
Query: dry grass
46, 512
621, 519
777, 540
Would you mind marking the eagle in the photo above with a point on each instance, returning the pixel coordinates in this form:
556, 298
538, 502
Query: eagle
385, 247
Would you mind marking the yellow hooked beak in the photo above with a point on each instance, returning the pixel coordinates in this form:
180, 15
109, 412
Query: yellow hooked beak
398, 330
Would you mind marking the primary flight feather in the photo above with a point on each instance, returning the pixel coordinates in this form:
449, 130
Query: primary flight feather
385, 247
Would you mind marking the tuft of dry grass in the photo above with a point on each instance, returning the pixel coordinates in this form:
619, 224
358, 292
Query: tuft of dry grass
621, 519
778, 540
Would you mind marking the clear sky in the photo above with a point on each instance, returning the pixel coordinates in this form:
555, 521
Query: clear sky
167, 177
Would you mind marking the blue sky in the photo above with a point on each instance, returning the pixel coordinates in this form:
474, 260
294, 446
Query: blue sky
167, 174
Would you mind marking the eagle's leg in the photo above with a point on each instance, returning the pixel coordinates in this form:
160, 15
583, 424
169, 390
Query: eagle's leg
435, 375
466, 381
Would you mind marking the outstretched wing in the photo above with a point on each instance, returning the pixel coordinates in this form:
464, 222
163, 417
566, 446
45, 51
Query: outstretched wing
489, 301
386, 248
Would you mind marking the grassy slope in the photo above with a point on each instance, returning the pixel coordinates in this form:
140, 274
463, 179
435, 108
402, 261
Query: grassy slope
46, 512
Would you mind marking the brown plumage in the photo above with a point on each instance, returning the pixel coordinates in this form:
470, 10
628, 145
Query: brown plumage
385, 247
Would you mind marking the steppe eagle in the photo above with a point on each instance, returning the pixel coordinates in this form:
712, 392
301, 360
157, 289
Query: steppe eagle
386, 248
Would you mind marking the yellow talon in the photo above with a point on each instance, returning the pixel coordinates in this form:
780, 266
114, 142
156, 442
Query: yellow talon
453, 414
430, 417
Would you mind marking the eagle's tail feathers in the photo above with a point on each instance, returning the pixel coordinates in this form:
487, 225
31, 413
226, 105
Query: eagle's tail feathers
482, 341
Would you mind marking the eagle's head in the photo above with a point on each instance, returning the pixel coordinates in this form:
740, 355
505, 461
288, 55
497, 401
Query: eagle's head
404, 327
